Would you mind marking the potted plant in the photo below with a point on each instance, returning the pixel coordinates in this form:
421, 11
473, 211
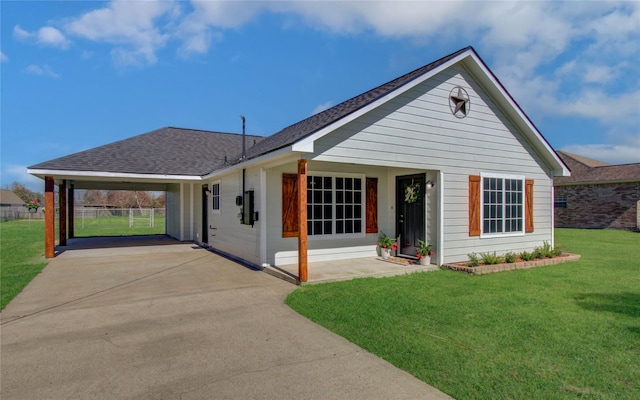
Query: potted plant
424, 252
386, 244
33, 206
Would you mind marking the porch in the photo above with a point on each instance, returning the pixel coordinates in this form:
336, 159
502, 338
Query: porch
344, 270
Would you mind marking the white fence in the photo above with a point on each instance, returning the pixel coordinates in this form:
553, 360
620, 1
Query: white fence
131, 217
89, 216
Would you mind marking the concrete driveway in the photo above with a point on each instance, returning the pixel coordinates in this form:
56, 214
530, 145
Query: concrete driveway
168, 320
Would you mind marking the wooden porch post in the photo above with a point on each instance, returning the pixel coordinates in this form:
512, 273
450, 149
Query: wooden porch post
302, 220
63, 213
49, 218
72, 207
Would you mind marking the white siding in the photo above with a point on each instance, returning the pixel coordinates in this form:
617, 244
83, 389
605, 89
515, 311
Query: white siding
227, 234
417, 130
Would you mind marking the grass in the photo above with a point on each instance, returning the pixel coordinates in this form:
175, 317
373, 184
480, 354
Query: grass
117, 226
557, 332
21, 256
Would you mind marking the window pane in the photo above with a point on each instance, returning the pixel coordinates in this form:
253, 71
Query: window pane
317, 212
340, 183
357, 211
357, 184
348, 226
339, 212
339, 226
317, 196
328, 227
348, 210
327, 182
348, 197
327, 197
357, 197
357, 226
327, 212
317, 228
339, 197
348, 183
310, 228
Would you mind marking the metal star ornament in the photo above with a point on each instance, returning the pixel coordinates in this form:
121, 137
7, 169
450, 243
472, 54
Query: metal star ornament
459, 102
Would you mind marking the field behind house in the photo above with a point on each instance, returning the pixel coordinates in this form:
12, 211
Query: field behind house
557, 332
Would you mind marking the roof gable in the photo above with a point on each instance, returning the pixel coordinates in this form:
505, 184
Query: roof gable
302, 135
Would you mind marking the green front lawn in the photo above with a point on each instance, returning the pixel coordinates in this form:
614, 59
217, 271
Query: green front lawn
565, 331
21, 256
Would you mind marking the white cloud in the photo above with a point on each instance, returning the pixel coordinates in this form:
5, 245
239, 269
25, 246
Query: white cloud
129, 26
20, 33
321, 107
45, 36
50, 36
3, 57
44, 70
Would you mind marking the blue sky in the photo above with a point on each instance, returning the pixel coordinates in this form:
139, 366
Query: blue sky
75, 75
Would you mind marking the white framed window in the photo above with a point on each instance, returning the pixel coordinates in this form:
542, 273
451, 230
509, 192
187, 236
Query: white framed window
215, 197
502, 205
335, 205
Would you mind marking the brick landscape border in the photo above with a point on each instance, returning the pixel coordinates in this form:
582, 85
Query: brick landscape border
491, 269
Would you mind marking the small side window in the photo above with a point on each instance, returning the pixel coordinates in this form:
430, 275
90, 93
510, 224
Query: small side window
215, 196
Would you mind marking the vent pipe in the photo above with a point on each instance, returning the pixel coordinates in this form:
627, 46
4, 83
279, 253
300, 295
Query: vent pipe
244, 139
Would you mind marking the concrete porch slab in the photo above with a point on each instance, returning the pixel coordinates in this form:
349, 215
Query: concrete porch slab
342, 270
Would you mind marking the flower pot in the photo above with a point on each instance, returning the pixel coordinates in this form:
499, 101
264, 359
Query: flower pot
385, 253
426, 260
33, 210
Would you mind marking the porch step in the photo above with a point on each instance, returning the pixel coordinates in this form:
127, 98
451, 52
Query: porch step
281, 274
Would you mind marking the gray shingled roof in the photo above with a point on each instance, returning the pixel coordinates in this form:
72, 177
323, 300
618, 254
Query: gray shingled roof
165, 151
306, 127
587, 170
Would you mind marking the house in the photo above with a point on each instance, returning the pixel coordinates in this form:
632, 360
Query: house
442, 153
597, 194
10, 199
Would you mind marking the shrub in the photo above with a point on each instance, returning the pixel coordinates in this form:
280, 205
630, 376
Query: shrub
525, 255
474, 260
488, 258
510, 257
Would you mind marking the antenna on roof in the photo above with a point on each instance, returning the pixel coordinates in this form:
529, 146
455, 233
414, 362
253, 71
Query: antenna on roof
244, 139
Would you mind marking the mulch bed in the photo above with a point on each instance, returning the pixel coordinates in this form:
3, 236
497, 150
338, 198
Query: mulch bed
520, 264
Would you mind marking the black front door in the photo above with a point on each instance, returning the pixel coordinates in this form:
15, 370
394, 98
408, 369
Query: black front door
205, 214
410, 212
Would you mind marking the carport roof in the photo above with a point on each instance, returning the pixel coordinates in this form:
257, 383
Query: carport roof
165, 151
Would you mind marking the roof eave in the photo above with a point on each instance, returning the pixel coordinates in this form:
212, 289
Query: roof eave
75, 174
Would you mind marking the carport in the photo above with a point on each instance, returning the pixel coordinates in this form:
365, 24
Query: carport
173, 160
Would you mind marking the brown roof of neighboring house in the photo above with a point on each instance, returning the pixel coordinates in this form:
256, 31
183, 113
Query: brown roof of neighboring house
586, 170
8, 198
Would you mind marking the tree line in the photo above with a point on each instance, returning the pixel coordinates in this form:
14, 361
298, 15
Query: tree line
99, 198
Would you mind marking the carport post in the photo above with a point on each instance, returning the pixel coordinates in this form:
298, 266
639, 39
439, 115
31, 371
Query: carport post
63, 213
302, 220
72, 209
49, 218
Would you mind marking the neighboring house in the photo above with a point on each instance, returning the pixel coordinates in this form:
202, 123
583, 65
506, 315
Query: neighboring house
442, 153
597, 194
10, 199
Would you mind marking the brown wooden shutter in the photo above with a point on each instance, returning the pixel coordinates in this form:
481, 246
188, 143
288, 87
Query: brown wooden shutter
372, 205
528, 211
474, 205
289, 205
